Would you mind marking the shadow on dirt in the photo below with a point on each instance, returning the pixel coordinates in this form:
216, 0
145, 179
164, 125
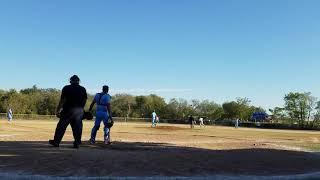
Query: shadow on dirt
149, 159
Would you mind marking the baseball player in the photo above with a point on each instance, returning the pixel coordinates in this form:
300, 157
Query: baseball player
201, 122
10, 115
103, 113
154, 116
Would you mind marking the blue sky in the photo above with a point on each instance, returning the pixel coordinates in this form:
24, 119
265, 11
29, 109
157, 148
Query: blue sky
192, 49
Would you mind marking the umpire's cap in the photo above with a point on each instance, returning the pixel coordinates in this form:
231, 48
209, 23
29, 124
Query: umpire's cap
74, 79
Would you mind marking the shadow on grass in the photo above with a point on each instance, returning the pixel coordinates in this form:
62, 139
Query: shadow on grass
149, 159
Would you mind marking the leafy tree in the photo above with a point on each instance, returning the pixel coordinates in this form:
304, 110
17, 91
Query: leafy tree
231, 109
317, 114
140, 106
299, 106
154, 103
209, 109
278, 113
122, 104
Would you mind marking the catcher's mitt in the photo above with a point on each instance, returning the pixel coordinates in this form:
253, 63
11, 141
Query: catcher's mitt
110, 124
88, 116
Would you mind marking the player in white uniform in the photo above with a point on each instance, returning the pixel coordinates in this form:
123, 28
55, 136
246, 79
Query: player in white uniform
154, 116
201, 122
237, 123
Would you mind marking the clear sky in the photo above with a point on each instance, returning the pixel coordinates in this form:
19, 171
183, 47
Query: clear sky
192, 49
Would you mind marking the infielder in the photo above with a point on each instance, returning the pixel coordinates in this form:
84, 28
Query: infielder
154, 116
10, 115
237, 123
201, 122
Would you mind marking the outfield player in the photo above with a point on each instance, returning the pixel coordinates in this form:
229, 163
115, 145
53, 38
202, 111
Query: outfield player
154, 116
103, 113
10, 115
237, 123
201, 122
191, 122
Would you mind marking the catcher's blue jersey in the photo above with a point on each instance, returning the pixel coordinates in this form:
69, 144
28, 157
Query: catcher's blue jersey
102, 100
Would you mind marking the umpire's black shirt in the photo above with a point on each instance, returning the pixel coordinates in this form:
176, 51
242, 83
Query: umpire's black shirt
75, 96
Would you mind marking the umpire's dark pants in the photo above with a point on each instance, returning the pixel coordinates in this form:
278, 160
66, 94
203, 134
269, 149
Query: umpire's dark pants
73, 117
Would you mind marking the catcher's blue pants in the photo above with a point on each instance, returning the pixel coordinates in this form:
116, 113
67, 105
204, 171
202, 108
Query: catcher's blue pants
100, 116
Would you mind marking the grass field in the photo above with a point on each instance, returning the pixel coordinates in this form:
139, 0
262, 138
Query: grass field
168, 150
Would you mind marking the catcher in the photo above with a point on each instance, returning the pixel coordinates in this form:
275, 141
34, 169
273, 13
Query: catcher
103, 113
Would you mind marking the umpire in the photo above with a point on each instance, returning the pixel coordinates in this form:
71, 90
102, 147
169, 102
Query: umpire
70, 111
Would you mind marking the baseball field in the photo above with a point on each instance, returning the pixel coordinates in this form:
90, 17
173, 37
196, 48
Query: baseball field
165, 151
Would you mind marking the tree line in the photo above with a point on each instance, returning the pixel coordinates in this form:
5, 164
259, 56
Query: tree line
299, 107
35, 100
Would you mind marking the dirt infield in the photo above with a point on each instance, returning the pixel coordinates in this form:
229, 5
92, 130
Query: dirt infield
168, 150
